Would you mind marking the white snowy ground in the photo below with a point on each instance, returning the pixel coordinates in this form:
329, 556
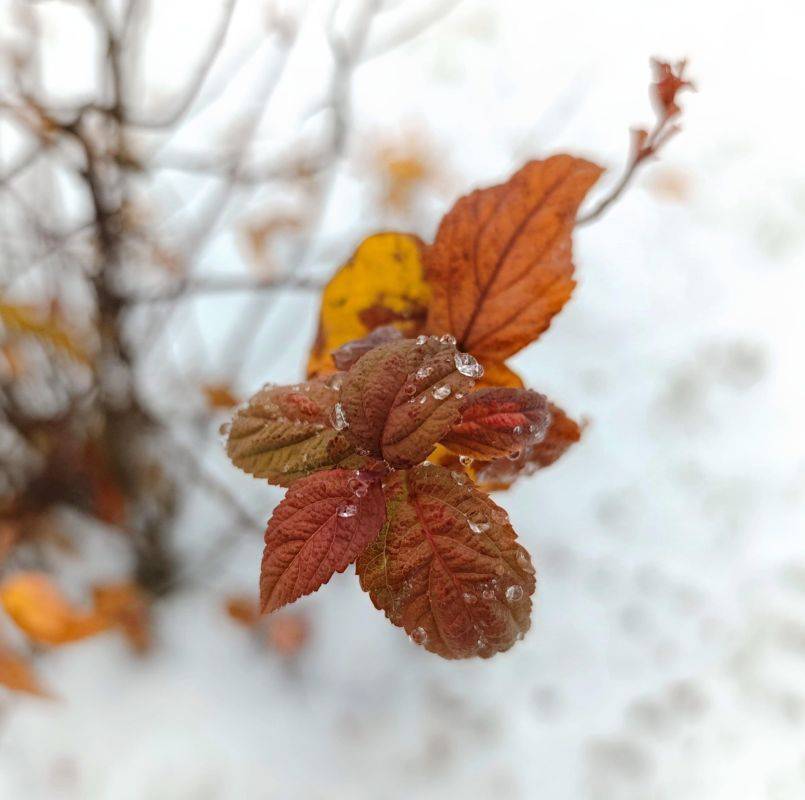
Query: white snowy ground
667, 654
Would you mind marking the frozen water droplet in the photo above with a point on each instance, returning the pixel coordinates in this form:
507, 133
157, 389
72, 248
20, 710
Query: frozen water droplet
423, 373
467, 365
358, 486
459, 395
514, 593
524, 562
349, 510
419, 636
338, 418
517, 430
470, 599
514, 455
465, 460
440, 392
335, 381
488, 594
478, 527
447, 339
420, 340
422, 399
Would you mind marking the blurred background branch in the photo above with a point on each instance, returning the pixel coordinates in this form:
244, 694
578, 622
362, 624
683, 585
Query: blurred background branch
114, 197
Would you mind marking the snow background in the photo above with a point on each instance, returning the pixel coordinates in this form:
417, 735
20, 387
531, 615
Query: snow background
667, 654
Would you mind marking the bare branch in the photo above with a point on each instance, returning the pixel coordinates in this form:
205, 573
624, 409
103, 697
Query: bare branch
191, 287
645, 145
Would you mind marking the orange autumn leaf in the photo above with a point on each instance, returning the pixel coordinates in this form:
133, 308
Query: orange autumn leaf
501, 267
219, 395
17, 674
496, 373
243, 610
43, 613
382, 284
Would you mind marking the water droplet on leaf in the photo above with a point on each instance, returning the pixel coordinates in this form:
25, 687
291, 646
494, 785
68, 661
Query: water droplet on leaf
419, 636
514, 593
338, 418
468, 365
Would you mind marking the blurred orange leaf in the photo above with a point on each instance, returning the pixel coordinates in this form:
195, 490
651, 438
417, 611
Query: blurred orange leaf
42, 612
17, 674
219, 395
382, 284
242, 609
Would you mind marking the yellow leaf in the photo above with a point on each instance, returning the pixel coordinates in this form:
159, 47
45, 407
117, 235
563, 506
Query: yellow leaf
42, 612
382, 284
28, 321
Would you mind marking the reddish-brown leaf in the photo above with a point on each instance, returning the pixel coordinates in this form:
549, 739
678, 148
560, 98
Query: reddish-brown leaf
498, 423
561, 434
500, 267
447, 567
401, 398
323, 524
286, 432
346, 355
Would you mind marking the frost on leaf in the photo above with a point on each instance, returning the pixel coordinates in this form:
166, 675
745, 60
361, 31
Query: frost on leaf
382, 284
447, 567
501, 267
322, 525
402, 397
498, 423
286, 432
